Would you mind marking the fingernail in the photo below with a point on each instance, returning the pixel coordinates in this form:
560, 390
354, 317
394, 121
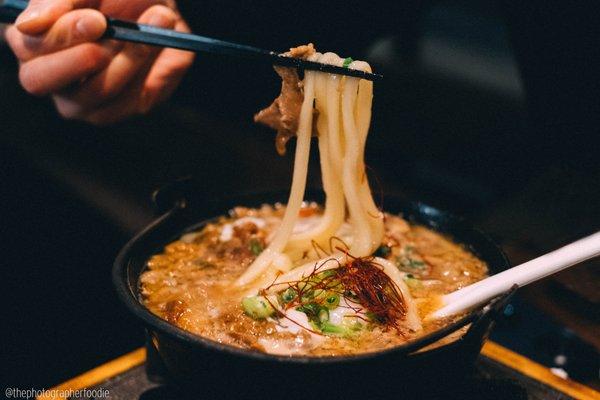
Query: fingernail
27, 18
90, 27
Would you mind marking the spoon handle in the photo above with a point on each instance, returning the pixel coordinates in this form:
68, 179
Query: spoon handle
520, 275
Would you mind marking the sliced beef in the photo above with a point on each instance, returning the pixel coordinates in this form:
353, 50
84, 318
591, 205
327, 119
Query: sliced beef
283, 114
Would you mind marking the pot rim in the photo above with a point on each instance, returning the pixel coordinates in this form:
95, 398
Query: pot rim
153, 322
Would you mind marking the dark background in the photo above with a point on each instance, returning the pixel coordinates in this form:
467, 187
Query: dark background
488, 109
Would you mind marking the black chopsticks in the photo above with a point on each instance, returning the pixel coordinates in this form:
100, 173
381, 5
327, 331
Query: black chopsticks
139, 33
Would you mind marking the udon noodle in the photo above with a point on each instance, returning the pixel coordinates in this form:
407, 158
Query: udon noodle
343, 109
300, 279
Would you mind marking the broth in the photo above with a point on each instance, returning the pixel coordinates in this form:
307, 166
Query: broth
190, 284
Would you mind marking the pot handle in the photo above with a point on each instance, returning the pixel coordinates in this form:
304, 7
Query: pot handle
172, 195
156, 371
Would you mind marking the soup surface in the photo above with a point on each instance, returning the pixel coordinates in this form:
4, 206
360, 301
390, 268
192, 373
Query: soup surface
189, 284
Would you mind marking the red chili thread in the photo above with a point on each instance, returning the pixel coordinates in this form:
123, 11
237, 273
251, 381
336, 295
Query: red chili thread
361, 281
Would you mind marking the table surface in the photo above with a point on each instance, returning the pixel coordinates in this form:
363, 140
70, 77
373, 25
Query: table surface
125, 376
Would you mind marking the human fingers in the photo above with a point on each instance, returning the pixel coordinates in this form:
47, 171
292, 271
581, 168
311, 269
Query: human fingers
133, 61
75, 27
163, 78
54, 72
40, 15
146, 90
166, 73
124, 106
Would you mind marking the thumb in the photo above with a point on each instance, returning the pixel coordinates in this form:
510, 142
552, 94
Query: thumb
40, 15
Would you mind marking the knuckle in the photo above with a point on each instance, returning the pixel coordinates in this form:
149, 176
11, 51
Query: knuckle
92, 55
85, 25
159, 15
15, 42
59, 39
11, 35
69, 114
68, 109
30, 81
163, 9
184, 64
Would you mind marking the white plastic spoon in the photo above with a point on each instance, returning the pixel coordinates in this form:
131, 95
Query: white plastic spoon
524, 274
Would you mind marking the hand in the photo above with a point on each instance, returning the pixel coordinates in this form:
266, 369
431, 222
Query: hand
100, 81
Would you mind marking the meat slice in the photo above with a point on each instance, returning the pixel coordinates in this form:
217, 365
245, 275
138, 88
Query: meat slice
283, 114
303, 51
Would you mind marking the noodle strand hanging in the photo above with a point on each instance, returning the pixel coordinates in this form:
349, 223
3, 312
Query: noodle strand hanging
343, 109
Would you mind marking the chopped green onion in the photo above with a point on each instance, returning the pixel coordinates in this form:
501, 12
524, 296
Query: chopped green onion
413, 282
356, 327
322, 275
319, 294
332, 301
332, 329
311, 310
323, 315
255, 247
288, 295
304, 286
372, 316
347, 62
344, 330
257, 307
383, 251
406, 261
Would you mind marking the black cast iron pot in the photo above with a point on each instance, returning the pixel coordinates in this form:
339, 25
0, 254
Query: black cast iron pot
210, 369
